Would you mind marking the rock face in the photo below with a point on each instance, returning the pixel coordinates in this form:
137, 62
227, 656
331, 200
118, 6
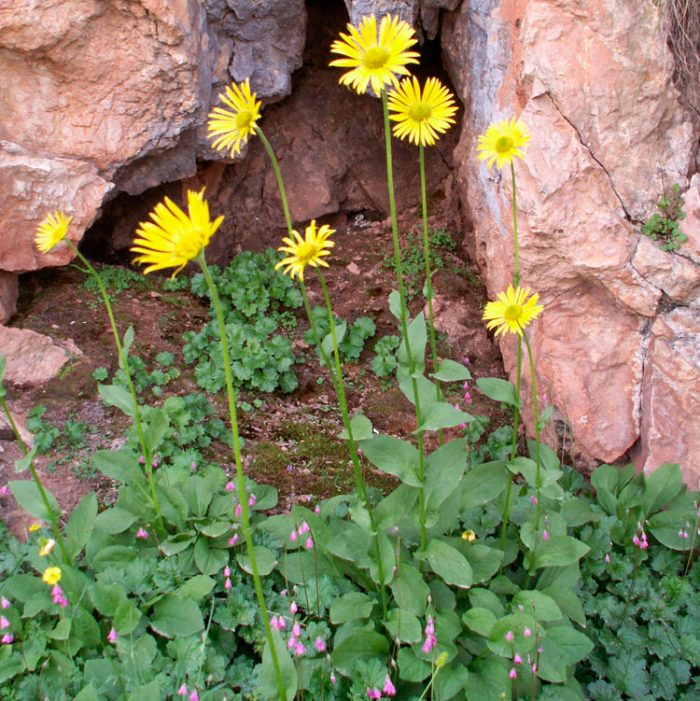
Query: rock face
608, 129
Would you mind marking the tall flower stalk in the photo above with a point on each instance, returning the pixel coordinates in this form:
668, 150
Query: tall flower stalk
52, 231
230, 128
501, 144
171, 240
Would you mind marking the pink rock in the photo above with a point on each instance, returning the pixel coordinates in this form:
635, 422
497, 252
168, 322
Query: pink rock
671, 395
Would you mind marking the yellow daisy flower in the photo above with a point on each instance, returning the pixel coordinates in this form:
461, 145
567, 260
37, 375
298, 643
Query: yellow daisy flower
230, 128
469, 535
47, 546
52, 230
421, 115
503, 142
52, 575
513, 311
374, 57
174, 238
305, 251
34, 527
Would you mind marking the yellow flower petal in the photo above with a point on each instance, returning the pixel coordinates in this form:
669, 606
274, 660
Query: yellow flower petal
373, 58
503, 142
174, 238
47, 547
512, 311
230, 128
421, 115
52, 575
52, 230
309, 250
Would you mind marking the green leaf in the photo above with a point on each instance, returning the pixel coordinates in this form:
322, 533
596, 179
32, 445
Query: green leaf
662, 485
351, 606
427, 390
118, 396
541, 606
386, 553
88, 693
29, 498
268, 678
484, 561
107, 597
327, 343
411, 667
362, 645
409, 589
395, 304
156, 428
480, 620
563, 647
559, 551
115, 520
81, 523
175, 616
484, 484
196, 587
361, 428
444, 468
451, 371
146, 692
441, 415
61, 631
665, 526
25, 461
113, 556
487, 681
605, 478
264, 558
499, 390
393, 456
120, 465
126, 617
177, 543
417, 338
209, 560
403, 625
448, 563
128, 340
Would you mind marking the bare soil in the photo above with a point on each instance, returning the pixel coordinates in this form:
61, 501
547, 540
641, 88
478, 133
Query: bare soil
291, 440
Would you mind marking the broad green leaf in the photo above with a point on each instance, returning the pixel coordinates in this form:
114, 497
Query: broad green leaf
541, 606
480, 620
113, 555
499, 390
404, 625
120, 465
576, 512
444, 468
174, 616
563, 647
395, 304
514, 623
387, 557
662, 485
350, 606
155, 428
487, 681
359, 645
484, 561
118, 396
327, 343
396, 506
605, 477
126, 617
417, 338
213, 529
412, 668
668, 528
196, 587
115, 520
483, 484
61, 631
88, 693
209, 560
485, 598
360, 426
24, 463
560, 551
128, 340
441, 415
393, 456
177, 543
268, 678
447, 562
264, 558
450, 681
146, 692
81, 523
427, 390
107, 597
409, 589
451, 371
29, 498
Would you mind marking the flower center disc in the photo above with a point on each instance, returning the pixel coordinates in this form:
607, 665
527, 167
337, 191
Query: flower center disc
420, 112
243, 119
504, 144
375, 57
190, 244
512, 312
306, 252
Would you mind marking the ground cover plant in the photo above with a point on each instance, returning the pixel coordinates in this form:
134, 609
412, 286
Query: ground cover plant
488, 571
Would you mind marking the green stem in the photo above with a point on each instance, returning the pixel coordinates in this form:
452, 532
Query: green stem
428, 274
403, 316
242, 499
39, 485
516, 254
513, 447
125, 366
278, 175
352, 446
536, 419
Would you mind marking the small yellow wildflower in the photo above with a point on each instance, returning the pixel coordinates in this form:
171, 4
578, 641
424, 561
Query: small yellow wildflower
174, 238
375, 58
421, 115
52, 575
305, 251
34, 527
230, 128
52, 230
469, 536
503, 142
513, 311
47, 546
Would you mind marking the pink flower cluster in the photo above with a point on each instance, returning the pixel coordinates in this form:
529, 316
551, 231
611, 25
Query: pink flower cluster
227, 575
7, 637
388, 690
182, 691
640, 538
430, 639
294, 643
300, 532
57, 596
142, 534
